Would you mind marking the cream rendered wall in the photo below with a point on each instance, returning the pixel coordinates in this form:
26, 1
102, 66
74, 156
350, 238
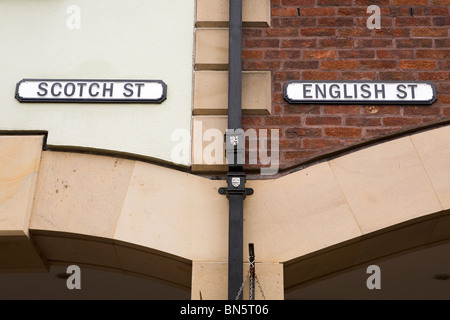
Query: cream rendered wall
131, 39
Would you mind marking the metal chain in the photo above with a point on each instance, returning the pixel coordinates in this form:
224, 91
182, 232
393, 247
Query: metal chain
245, 280
260, 288
251, 285
251, 265
242, 286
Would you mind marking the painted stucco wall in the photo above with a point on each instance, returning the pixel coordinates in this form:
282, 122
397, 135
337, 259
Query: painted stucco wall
145, 40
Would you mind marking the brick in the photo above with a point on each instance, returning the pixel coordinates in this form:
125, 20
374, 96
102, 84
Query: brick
277, 87
343, 132
400, 121
352, 11
251, 32
397, 75
356, 54
334, 2
430, 32
278, 97
298, 43
317, 11
294, 133
320, 143
321, 120
381, 110
435, 76
396, 11
252, 54
420, 111
286, 75
301, 109
262, 43
441, 21
358, 75
395, 54
277, 109
301, 65
414, 43
284, 12
432, 118
417, 64
340, 64
298, 2
320, 75
260, 65
374, 43
372, 2
341, 109
298, 22
447, 111
363, 122
320, 54
442, 43
440, 2
251, 121
378, 64
409, 2
444, 64
393, 32
433, 54
318, 32
284, 120
336, 42
282, 54
354, 32
282, 32
443, 86
412, 21
296, 155
290, 145
370, 133
439, 11
335, 21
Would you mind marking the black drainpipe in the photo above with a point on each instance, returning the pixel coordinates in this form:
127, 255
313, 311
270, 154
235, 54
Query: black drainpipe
235, 154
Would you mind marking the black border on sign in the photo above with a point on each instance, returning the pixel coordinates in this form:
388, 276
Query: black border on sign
387, 102
87, 100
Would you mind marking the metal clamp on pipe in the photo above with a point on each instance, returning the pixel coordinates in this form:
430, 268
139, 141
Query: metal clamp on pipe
236, 185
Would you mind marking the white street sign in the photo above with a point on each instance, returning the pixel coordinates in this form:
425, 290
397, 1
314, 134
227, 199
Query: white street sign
359, 92
122, 91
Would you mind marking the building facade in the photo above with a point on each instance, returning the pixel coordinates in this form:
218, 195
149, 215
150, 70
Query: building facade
113, 155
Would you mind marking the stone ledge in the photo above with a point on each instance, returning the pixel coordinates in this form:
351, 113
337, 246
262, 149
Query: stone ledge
255, 13
211, 49
211, 93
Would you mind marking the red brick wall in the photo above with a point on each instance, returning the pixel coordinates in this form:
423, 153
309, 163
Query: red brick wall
330, 40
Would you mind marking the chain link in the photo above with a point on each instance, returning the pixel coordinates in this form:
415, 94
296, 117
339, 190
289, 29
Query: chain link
242, 286
252, 265
260, 288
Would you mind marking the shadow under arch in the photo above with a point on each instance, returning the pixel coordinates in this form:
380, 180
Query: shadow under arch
170, 275
396, 241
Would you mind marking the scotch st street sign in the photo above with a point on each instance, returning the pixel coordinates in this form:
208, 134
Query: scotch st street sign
359, 92
106, 91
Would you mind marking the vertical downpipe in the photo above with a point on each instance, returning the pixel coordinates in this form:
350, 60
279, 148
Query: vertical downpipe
234, 150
